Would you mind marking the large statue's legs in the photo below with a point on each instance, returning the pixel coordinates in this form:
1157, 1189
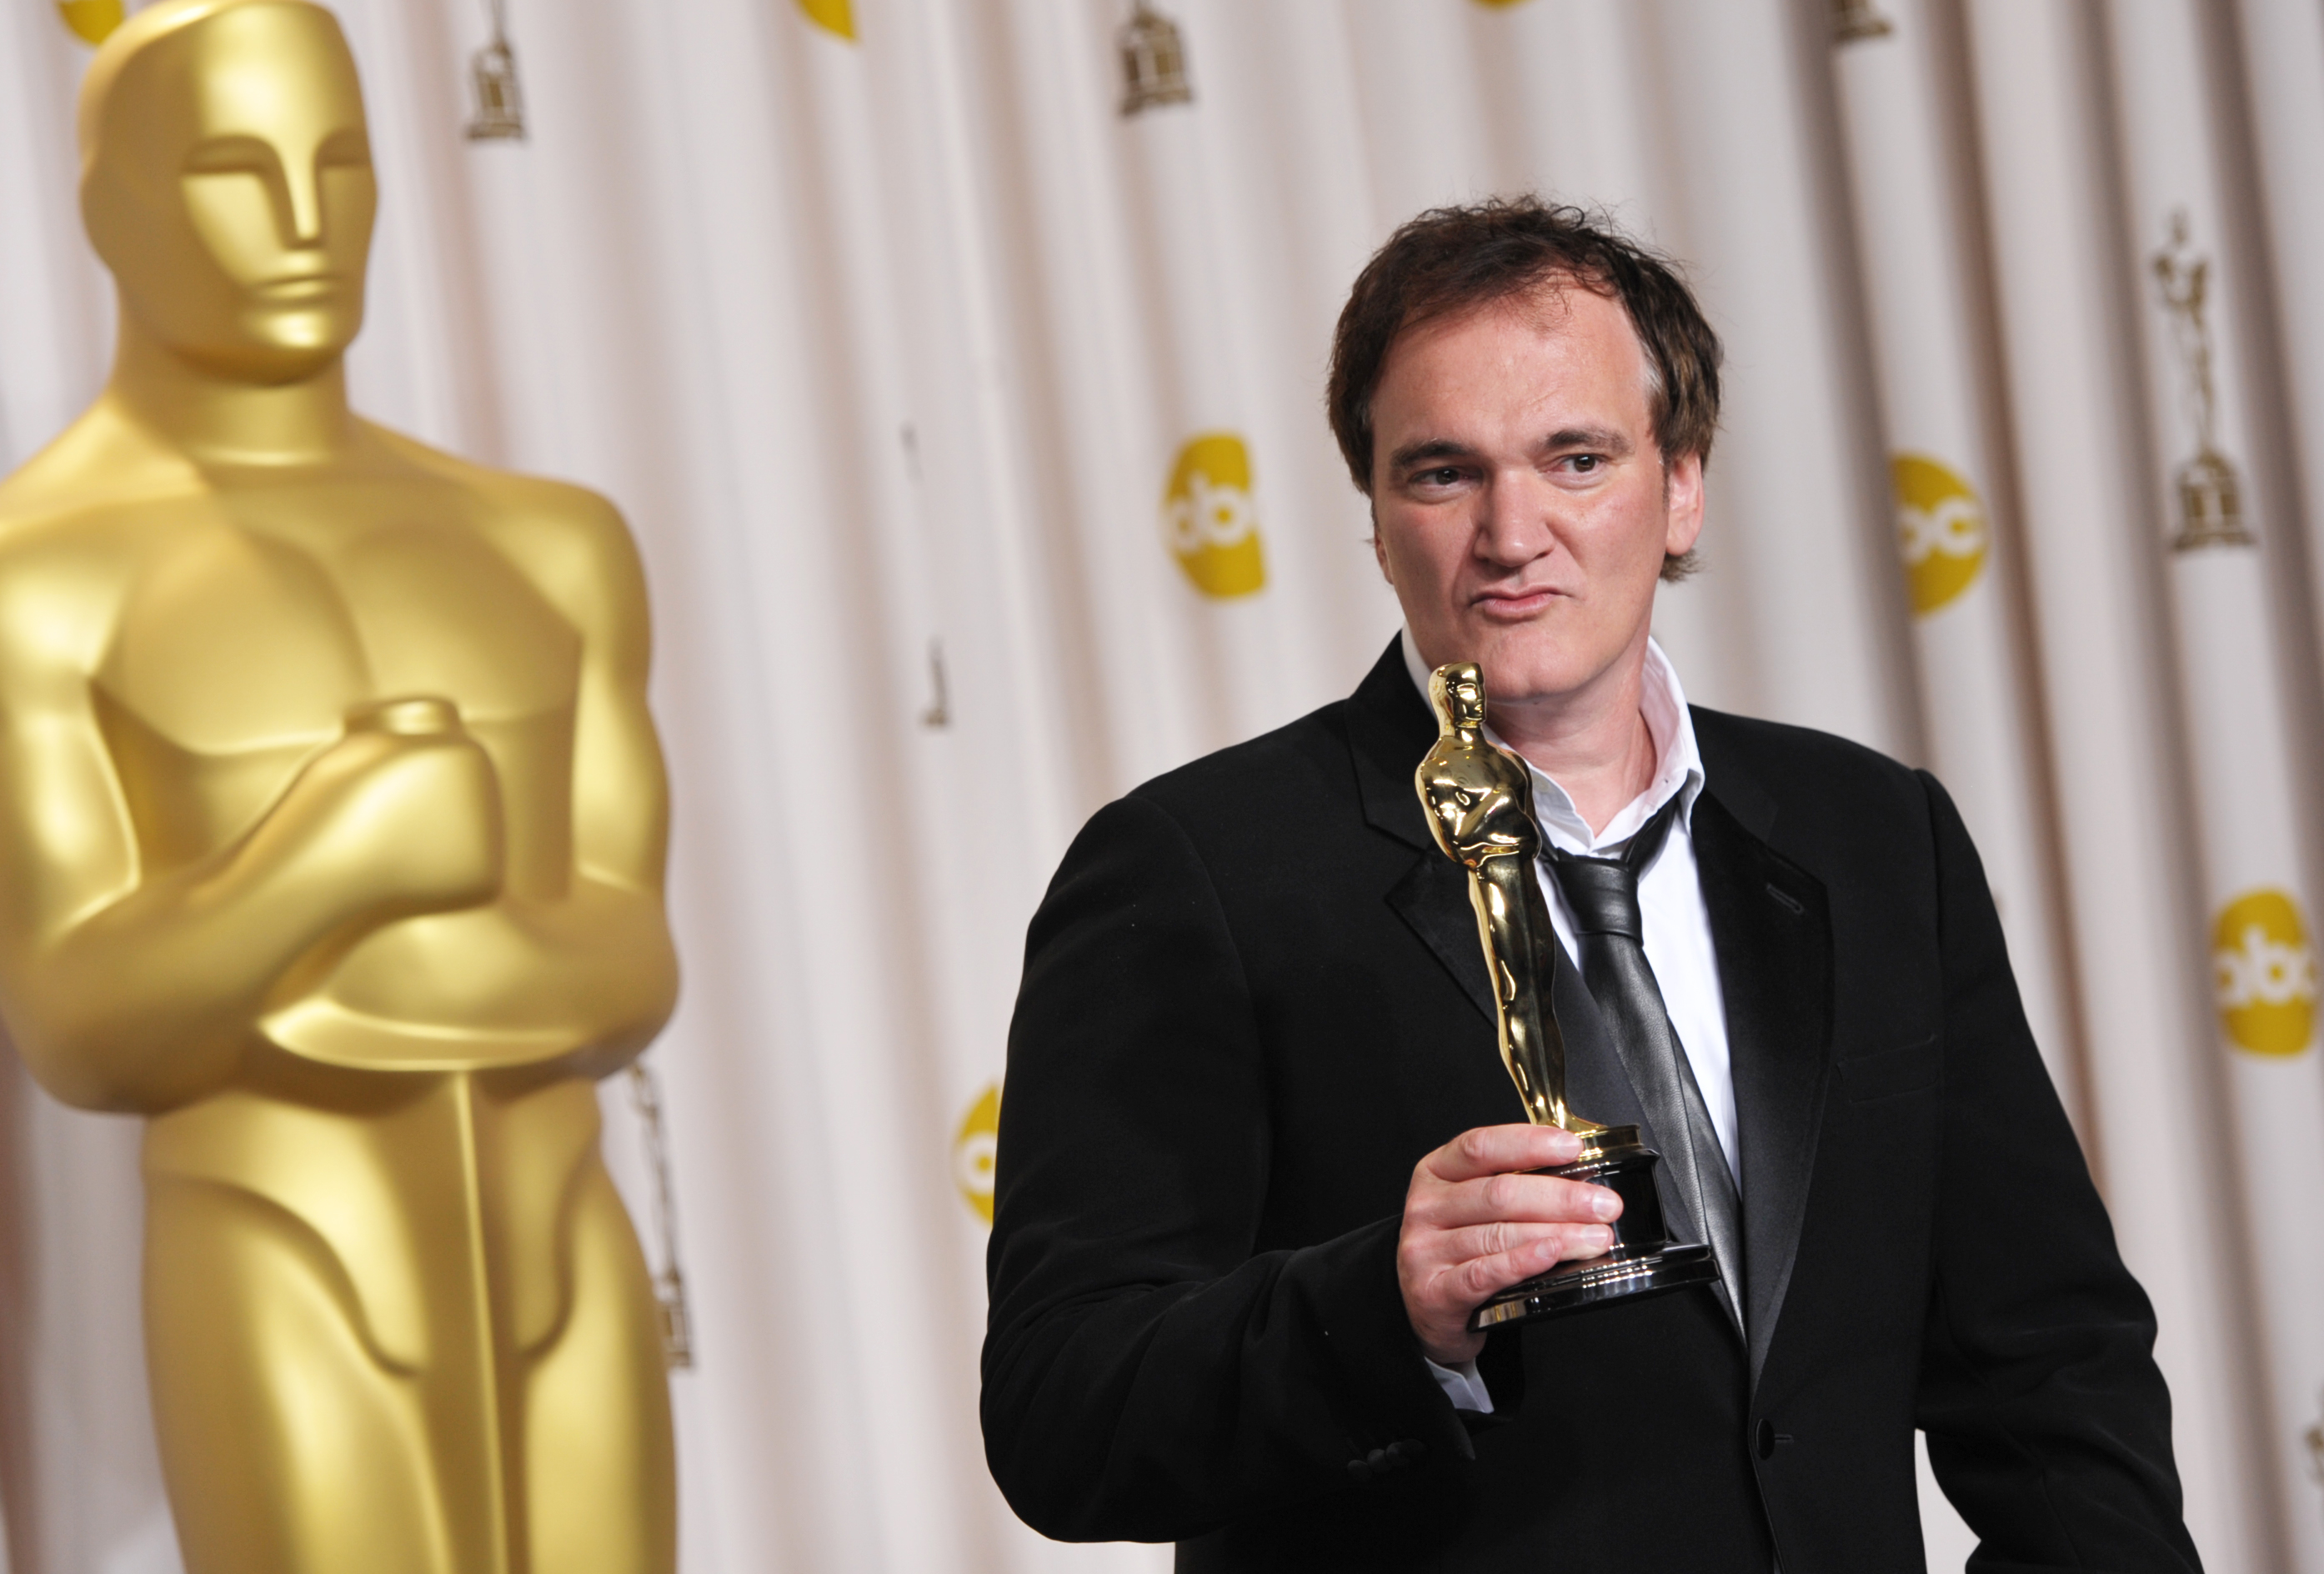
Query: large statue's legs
418, 1339
601, 1476
288, 1446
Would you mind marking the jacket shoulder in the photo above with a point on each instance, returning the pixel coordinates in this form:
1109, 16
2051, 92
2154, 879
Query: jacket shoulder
1781, 752
1306, 760
1798, 782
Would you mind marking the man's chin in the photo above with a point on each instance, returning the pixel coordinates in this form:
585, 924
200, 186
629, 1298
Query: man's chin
1522, 671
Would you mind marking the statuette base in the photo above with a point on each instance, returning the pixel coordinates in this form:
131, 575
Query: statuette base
1643, 1260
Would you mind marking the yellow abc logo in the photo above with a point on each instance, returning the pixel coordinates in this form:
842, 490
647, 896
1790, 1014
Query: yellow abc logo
832, 16
2266, 974
92, 19
1208, 518
973, 1150
1941, 527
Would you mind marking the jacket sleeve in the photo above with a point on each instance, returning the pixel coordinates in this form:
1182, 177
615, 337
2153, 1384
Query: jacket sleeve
1147, 1375
2048, 1423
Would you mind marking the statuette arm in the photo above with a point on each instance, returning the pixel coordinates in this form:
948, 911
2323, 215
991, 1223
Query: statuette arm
606, 947
139, 990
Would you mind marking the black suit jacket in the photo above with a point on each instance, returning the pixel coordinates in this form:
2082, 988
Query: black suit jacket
1253, 999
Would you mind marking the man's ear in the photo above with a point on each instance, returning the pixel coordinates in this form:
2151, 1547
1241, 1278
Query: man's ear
1379, 548
1682, 504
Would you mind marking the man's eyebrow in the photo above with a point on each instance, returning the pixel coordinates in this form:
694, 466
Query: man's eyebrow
1434, 448
1603, 439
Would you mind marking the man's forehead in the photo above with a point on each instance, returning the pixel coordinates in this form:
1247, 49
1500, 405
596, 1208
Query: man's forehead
1506, 332
1554, 306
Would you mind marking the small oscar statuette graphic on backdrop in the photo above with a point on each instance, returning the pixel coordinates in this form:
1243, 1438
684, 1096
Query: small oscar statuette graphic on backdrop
500, 103
2210, 498
1856, 20
670, 1284
1479, 801
1153, 61
2314, 1439
938, 713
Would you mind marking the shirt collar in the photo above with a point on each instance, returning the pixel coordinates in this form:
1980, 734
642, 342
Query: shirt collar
1678, 763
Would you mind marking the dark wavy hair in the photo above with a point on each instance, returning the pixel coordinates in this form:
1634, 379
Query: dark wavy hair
1455, 259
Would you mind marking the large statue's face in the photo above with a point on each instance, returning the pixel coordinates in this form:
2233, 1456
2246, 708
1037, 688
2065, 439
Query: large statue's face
1523, 507
231, 192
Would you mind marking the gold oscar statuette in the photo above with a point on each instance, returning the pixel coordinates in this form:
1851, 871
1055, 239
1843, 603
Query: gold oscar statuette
1479, 801
332, 825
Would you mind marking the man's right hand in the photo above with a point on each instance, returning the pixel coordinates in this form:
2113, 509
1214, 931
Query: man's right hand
1476, 1222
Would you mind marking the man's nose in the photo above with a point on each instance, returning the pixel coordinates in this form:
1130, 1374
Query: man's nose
1515, 528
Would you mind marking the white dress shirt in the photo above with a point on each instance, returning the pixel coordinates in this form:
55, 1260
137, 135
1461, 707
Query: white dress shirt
1670, 903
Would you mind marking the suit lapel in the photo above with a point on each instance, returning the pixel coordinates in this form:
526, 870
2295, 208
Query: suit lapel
1771, 924
1389, 730
1433, 900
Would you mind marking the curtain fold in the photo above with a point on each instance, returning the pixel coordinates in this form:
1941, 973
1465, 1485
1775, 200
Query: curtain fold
2218, 480
2070, 295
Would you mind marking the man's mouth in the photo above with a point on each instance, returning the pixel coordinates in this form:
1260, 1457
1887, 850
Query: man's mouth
1513, 604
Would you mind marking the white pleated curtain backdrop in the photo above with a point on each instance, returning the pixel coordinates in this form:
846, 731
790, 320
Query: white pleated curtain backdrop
973, 431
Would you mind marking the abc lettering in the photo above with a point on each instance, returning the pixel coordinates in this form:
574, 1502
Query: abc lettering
2265, 972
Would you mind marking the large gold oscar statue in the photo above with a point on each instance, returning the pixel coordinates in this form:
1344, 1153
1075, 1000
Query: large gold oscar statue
331, 839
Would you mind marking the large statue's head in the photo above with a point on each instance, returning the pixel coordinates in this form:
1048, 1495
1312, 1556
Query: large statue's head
226, 180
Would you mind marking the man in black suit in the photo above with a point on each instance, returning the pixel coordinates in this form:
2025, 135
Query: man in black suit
1259, 1158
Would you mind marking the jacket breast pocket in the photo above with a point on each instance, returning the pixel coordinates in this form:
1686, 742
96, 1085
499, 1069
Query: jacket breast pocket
1891, 1073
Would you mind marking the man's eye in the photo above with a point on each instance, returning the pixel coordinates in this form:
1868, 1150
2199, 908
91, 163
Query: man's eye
1443, 475
1586, 463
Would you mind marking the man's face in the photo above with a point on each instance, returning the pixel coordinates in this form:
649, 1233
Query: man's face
1522, 508
234, 201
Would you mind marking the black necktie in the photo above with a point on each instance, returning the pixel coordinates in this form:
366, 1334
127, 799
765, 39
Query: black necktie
1603, 894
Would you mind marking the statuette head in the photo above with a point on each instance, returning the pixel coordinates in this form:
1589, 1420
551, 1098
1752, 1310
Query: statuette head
1457, 692
226, 180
